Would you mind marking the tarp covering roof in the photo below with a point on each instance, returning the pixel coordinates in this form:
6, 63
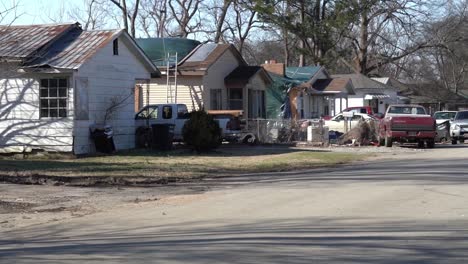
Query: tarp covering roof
302, 73
158, 48
277, 96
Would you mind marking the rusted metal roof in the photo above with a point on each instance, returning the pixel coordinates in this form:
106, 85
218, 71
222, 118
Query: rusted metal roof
72, 50
64, 46
23, 41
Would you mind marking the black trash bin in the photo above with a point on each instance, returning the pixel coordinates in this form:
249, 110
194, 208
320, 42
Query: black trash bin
103, 138
163, 135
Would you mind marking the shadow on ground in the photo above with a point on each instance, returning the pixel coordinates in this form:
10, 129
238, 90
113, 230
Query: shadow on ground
312, 240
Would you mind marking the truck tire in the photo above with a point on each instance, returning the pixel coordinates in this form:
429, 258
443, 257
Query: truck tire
462, 141
388, 142
420, 144
250, 140
454, 141
430, 143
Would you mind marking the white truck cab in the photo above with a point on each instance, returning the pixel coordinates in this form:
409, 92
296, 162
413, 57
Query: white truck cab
174, 114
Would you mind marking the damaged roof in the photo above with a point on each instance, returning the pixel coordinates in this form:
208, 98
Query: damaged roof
65, 46
73, 49
24, 41
302, 73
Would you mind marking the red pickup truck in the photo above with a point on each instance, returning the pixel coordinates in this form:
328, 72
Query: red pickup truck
407, 124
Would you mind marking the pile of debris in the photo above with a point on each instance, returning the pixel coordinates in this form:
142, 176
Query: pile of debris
365, 133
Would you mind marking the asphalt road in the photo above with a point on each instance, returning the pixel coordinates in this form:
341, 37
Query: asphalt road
412, 208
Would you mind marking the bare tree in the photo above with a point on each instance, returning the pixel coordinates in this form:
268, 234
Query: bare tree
129, 16
154, 18
244, 20
184, 13
220, 18
9, 12
91, 14
387, 31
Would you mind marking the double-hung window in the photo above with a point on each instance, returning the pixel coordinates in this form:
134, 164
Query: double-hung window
53, 97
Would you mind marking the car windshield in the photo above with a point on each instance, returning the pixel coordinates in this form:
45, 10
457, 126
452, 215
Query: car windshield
407, 110
444, 115
462, 115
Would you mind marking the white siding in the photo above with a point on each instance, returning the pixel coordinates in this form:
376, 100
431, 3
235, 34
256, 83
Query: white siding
21, 128
194, 91
189, 91
358, 99
110, 78
214, 77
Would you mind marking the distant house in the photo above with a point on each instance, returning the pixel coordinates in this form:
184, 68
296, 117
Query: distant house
435, 98
210, 76
305, 92
369, 92
58, 80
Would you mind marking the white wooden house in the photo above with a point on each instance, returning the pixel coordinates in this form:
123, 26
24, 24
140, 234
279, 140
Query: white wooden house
214, 77
370, 92
58, 80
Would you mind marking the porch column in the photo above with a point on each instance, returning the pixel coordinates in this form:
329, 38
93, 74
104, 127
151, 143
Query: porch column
341, 104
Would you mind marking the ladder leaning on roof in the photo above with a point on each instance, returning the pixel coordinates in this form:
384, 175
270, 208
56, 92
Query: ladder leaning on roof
171, 73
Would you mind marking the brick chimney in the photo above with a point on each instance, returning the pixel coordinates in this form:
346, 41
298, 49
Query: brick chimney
274, 67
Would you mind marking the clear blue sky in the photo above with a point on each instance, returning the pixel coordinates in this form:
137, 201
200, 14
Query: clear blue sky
40, 11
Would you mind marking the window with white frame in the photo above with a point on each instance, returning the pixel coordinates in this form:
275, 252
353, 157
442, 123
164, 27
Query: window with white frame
53, 97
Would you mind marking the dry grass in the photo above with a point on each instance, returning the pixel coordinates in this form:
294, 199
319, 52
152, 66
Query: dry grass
178, 163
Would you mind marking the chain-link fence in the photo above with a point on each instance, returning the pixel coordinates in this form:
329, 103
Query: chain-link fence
287, 131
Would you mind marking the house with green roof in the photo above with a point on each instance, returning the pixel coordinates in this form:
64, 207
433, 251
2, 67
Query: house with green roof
209, 76
305, 92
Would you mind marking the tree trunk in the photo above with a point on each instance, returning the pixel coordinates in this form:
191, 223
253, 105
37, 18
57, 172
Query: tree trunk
302, 40
125, 14
222, 17
362, 55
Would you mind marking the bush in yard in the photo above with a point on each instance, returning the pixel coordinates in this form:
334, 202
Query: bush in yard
201, 131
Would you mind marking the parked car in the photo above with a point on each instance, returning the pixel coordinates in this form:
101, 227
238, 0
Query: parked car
337, 123
360, 110
444, 116
459, 127
407, 124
